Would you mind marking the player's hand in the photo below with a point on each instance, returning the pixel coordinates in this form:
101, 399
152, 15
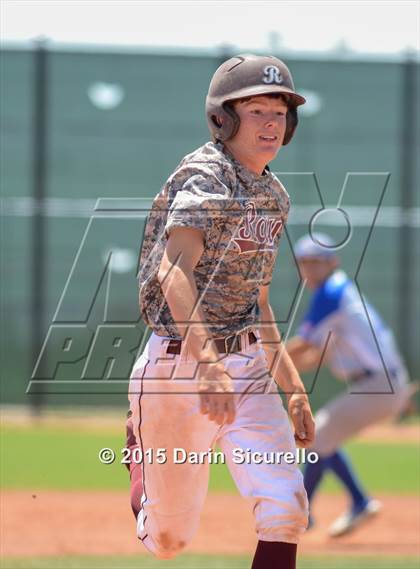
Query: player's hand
215, 389
302, 419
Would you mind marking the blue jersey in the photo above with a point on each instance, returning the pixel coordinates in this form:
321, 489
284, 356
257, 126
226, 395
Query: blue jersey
358, 341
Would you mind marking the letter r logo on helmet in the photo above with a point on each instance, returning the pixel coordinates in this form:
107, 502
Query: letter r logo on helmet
272, 74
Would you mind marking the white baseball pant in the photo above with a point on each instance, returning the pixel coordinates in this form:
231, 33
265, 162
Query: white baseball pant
166, 415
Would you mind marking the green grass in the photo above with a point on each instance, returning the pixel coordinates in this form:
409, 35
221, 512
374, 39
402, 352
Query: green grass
47, 457
58, 458
203, 562
383, 467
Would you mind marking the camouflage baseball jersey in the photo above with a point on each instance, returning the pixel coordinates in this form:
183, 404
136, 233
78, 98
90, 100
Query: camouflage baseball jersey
241, 216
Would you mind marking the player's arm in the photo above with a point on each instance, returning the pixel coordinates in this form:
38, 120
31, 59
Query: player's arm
176, 276
304, 355
285, 373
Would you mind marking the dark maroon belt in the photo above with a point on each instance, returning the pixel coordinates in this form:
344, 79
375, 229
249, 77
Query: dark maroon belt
223, 345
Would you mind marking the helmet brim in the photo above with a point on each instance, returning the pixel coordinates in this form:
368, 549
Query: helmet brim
261, 90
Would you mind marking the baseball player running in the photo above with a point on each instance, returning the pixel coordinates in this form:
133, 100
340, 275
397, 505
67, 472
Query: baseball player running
368, 361
208, 252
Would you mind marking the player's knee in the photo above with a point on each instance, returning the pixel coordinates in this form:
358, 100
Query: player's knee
284, 521
295, 518
168, 545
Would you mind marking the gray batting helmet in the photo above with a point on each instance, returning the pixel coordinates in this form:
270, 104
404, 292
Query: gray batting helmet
246, 76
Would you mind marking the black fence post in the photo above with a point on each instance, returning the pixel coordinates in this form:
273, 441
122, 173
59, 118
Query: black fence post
407, 268
38, 245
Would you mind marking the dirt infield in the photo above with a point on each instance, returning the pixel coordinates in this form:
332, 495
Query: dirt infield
101, 523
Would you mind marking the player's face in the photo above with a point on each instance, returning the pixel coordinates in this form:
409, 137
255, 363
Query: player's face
261, 131
315, 270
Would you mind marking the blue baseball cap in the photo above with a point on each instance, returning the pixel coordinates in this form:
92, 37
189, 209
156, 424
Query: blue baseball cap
315, 245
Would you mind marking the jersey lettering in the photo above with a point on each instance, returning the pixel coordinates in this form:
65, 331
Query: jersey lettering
258, 232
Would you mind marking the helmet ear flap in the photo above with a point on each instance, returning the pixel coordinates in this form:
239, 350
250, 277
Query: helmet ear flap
226, 123
291, 124
233, 120
216, 121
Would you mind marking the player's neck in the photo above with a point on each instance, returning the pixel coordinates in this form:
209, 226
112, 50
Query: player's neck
254, 164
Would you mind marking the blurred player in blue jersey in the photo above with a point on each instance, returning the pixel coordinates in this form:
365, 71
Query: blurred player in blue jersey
349, 336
